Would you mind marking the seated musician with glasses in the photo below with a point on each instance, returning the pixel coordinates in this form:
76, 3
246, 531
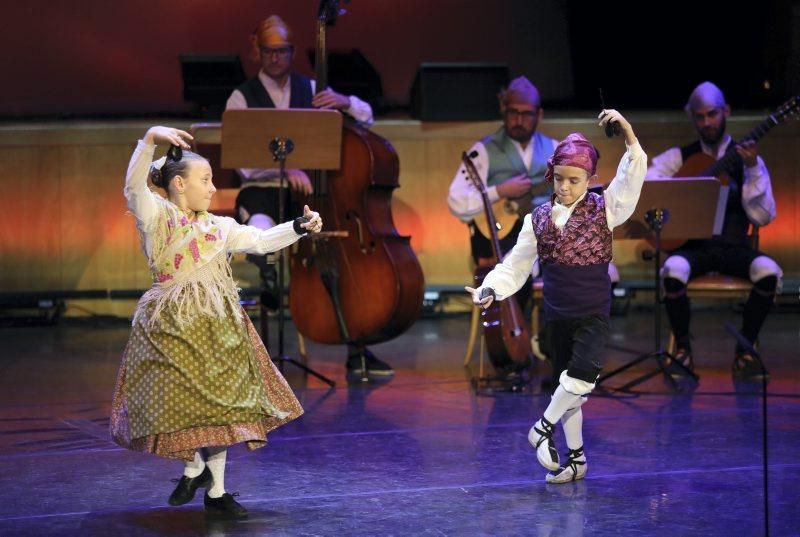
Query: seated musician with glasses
278, 86
511, 161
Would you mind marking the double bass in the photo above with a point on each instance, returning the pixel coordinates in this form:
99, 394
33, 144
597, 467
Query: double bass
504, 329
360, 282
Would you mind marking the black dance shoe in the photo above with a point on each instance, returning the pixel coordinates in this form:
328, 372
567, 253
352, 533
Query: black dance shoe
224, 506
684, 357
187, 486
748, 367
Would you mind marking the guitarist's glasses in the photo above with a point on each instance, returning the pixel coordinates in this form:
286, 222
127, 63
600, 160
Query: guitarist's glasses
524, 114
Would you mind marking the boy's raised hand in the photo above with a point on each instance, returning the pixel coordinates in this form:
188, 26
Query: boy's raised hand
610, 115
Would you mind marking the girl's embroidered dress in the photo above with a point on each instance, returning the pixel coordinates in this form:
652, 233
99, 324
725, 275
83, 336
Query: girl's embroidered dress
195, 372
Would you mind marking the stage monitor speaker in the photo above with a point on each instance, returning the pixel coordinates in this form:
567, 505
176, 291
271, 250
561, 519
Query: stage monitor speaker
458, 91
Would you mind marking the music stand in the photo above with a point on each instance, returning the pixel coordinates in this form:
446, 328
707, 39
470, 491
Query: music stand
298, 138
682, 202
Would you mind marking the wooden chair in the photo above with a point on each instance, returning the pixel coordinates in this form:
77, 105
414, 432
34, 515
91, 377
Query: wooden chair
719, 286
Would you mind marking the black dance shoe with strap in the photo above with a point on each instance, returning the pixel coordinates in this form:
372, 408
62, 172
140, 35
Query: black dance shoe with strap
187, 486
224, 506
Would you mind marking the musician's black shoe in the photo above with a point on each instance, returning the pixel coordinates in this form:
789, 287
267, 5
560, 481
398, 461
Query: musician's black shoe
187, 486
683, 356
375, 366
224, 506
747, 367
270, 294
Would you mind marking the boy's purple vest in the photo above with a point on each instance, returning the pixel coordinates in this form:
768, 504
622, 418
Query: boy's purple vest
574, 261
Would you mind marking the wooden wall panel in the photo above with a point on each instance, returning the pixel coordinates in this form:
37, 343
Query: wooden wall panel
30, 236
66, 225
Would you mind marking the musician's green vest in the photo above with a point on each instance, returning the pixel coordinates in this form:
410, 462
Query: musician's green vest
505, 161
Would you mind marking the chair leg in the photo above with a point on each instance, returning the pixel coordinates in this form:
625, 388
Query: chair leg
671, 344
535, 332
301, 348
480, 358
474, 321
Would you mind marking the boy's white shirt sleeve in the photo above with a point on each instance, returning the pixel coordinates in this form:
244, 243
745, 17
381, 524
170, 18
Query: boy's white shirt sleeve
252, 240
509, 276
463, 199
623, 193
142, 202
757, 199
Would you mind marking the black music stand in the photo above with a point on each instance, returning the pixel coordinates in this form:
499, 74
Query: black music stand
298, 138
684, 203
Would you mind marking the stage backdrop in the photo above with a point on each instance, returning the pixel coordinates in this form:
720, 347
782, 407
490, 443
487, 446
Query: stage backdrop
78, 57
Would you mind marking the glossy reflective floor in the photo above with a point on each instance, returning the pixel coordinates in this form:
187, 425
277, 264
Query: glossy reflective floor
419, 455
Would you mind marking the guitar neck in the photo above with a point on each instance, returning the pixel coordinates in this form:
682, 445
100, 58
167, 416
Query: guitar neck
731, 157
492, 224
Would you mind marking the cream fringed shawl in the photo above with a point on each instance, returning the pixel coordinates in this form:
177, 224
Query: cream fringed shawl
190, 267
189, 257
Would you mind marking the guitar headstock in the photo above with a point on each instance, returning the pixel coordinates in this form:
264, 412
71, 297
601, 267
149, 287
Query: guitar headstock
788, 111
329, 11
472, 173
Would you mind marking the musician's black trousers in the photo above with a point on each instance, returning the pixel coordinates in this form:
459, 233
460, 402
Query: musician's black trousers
577, 345
732, 260
265, 200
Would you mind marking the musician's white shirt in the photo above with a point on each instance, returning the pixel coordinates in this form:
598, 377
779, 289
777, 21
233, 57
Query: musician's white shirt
757, 198
464, 200
281, 96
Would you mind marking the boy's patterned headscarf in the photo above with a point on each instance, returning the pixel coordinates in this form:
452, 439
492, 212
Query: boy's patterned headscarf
574, 150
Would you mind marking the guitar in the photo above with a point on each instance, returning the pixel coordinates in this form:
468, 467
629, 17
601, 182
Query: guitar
702, 165
507, 338
508, 211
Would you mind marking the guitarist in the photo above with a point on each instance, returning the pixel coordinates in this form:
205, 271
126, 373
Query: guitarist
750, 201
511, 161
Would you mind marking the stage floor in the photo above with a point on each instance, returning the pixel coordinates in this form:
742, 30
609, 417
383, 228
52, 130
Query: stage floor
418, 455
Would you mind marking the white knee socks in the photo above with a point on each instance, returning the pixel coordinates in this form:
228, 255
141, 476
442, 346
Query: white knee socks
215, 461
572, 422
194, 467
561, 401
